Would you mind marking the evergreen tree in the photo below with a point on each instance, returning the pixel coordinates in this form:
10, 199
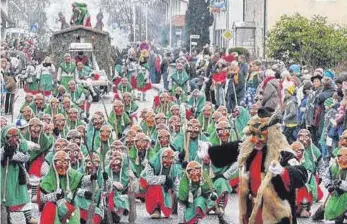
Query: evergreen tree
198, 20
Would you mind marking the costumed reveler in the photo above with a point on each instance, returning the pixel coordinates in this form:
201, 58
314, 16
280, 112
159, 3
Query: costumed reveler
118, 119
266, 160
14, 192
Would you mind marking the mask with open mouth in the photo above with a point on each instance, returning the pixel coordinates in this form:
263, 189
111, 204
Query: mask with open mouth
194, 128
175, 124
116, 162
304, 136
73, 114
194, 171
223, 131
89, 164
35, 128
59, 122
141, 142
164, 138
118, 107
342, 158
167, 158
61, 162
105, 133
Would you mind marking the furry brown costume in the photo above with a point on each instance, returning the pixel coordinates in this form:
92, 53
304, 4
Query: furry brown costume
278, 201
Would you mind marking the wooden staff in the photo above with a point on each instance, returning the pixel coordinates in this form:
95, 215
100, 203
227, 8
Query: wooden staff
5, 181
109, 219
186, 147
131, 193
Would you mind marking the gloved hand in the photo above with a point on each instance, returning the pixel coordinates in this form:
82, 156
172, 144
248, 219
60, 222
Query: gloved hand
9, 151
213, 196
88, 195
184, 164
59, 193
93, 177
56, 131
105, 175
337, 183
276, 169
330, 188
181, 155
168, 183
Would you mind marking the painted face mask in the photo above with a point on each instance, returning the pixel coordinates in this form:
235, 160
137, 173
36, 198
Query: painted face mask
343, 139
3, 122
259, 139
299, 149
129, 139
39, 101
141, 142
27, 113
304, 136
60, 144
73, 114
12, 138
223, 110
127, 98
72, 86
164, 138
144, 113
35, 128
175, 110
160, 119
178, 92
168, 158
175, 124
236, 112
74, 151
194, 128
164, 98
194, 171
207, 111
89, 164
118, 107
223, 131
105, 133
150, 119
216, 116
66, 103
342, 158
74, 136
61, 163
81, 129
179, 67
28, 98
117, 146
98, 121
47, 118
59, 122
136, 128
116, 163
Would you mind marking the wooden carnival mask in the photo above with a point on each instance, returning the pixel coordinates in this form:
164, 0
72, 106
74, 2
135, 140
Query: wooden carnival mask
194, 171
342, 158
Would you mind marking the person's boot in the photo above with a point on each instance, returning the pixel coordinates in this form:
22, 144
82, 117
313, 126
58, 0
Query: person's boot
115, 217
156, 214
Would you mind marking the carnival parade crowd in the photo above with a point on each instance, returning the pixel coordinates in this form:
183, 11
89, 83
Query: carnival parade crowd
222, 124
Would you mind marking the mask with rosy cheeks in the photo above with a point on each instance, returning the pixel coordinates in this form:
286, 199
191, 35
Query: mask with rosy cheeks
98, 121
141, 142
116, 162
144, 113
61, 163
66, 103
12, 137
216, 116
136, 128
194, 171
343, 139
236, 112
168, 158
47, 118
164, 138
73, 114
223, 131
207, 111
117, 146
60, 144
28, 99
160, 119
59, 122
164, 98
223, 110
118, 107
175, 124
194, 128
105, 133
127, 98
178, 91
175, 110
74, 151
342, 158
74, 136
3, 122
89, 164
35, 128
150, 121
179, 67
299, 149
129, 140
27, 113
304, 136
39, 102
72, 86
124, 81
81, 129
259, 139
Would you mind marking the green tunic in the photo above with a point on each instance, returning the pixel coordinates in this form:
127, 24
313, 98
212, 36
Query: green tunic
45, 143
336, 205
179, 80
76, 96
240, 122
49, 185
311, 157
67, 73
199, 201
119, 123
132, 108
16, 193
124, 88
221, 185
46, 82
197, 103
137, 164
178, 144
73, 124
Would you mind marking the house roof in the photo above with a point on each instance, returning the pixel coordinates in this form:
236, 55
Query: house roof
78, 28
178, 21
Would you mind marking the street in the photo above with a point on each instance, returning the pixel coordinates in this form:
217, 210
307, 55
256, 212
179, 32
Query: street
142, 216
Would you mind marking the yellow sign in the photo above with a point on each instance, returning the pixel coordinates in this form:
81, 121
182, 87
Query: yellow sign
227, 35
